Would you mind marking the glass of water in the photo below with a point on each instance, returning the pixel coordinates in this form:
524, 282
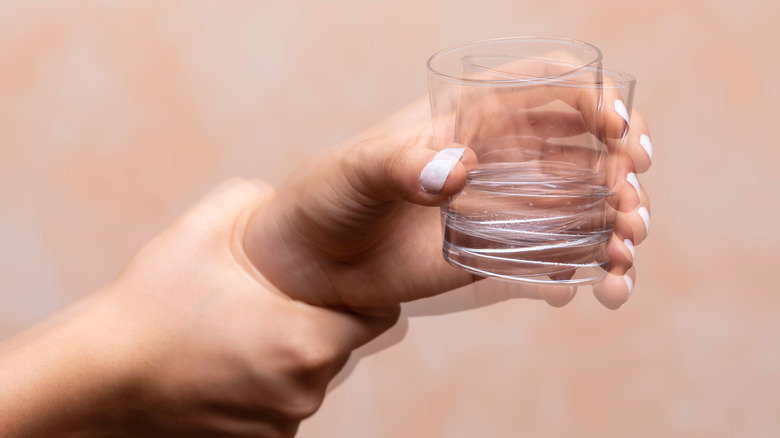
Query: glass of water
546, 123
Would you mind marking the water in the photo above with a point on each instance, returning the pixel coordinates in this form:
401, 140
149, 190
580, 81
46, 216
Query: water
536, 221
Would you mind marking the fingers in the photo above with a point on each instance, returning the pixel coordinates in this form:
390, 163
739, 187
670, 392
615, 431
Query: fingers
633, 204
630, 193
414, 173
631, 228
488, 125
615, 115
638, 145
634, 224
621, 255
615, 289
603, 107
436, 172
557, 295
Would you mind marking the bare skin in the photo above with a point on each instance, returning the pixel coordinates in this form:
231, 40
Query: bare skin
357, 232
233, 320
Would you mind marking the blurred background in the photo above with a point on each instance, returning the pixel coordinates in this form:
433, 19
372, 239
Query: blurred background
115, 115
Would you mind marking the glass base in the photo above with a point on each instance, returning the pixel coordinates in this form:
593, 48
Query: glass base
527, 272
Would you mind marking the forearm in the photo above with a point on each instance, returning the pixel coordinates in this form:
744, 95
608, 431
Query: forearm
55, 380
190, 340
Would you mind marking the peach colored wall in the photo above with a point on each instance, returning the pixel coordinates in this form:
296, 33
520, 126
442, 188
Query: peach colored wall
116, 114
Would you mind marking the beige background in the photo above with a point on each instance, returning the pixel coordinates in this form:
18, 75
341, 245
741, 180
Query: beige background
115, 115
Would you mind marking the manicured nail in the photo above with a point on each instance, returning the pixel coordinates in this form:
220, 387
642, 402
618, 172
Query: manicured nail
645, 215
454, 153
644, 140
620, 108
435, 173
630, 245
629, 283
634, 181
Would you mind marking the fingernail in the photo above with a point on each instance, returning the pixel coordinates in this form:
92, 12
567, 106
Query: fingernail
454, 153
572, 290
645, 215
629, 283
644, 140
435, 173
620, 108
634, 181
630, 245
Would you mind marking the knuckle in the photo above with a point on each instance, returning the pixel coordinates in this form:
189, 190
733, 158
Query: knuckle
312, 358
310, 353
301, 405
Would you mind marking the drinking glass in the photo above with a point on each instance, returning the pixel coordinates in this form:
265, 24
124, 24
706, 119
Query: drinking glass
546, 123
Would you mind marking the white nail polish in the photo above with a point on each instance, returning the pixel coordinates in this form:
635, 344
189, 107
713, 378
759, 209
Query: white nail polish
620, 108
454, 153
435, 173
630, 245
634, 181
645, 215
644, 141
629, 283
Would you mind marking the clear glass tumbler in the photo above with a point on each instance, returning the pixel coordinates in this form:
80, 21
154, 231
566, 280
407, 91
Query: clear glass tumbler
546, 122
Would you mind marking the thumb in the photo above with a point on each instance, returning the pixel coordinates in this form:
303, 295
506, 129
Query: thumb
414, 173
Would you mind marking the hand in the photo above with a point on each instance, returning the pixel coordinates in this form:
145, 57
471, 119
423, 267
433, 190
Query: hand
353, 226
572, 124
193, 339
190, 340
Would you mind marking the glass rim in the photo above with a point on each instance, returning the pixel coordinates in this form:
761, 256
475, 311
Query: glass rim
459, 80
616, 79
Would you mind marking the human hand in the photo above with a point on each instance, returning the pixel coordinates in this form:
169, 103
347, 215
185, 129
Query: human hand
566, 130
192, 339
357, 229
189, 340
